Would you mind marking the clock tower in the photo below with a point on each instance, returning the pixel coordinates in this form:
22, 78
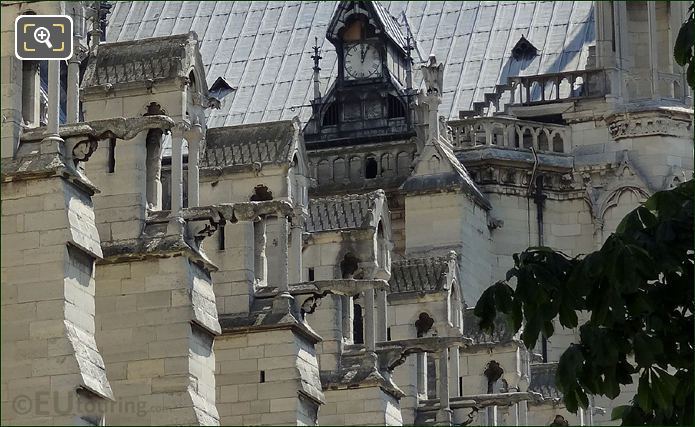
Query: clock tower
371, 95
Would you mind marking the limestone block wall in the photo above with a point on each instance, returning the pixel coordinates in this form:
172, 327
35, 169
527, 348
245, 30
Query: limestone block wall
156, 321
239, 186
544, 413
267, 377
52, 370
120, 207
472, 364
438, 223
363, 406
234, 258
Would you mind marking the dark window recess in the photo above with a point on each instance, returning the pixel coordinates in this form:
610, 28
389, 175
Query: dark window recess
262, 377
388, 334
395, 107
112, 155
357, 327
349, 265
330, 117
311, 274
460, 386
220, 238
261, 193
523, 49
371, 168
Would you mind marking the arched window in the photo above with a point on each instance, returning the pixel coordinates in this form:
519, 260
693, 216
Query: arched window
339, 171
371, 168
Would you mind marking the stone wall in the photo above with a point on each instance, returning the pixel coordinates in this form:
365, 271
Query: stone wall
438, 223
363, 406
52, 371
267, 377
161, 362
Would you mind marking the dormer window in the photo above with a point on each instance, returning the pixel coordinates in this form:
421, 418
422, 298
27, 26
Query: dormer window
523, 49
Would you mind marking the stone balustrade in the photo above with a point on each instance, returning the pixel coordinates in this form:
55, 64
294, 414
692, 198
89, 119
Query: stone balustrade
511, 133
558, 87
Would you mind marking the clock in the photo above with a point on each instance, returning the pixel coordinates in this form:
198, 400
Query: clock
362, 61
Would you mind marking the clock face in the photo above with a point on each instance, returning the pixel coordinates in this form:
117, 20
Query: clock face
362, 61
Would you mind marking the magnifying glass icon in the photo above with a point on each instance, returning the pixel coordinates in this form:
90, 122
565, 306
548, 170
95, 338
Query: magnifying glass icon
41, 35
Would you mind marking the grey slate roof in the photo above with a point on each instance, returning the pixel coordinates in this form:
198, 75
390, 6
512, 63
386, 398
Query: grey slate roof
419, 274
343, 212
264, 48
245, 145
543, 380
135, 61
501, 333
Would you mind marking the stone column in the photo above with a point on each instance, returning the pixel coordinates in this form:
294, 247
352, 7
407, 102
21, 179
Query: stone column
369, 339
382, 316
282, 302
153, 164
54, 100
193, 137
421, 368
295, 255
454, 371
444, 414
653, 49
176, 169
260, 265
31, 103
73, 90
622, 48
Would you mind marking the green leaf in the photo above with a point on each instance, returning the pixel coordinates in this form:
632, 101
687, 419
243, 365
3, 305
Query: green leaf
682, 50
619, 412
644, 399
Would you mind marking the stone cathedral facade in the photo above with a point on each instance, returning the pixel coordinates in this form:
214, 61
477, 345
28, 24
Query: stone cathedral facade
264, 213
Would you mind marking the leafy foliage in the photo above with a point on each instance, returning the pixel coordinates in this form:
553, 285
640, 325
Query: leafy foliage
683, 51
637, 290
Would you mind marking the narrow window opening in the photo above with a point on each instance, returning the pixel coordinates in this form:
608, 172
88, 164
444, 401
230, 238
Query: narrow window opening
112, 155
371, 168
330, 117
262, 377
395, 107
357, 327
388, 334
311, 274
460, 386
220, 238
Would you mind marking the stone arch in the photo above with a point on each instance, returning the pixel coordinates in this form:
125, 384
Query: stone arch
558, 142
339, 170
543, 141
323, 172
403, 162
387, 167
355, 168
371, 167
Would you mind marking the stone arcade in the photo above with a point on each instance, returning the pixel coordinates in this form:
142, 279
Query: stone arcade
283, 212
